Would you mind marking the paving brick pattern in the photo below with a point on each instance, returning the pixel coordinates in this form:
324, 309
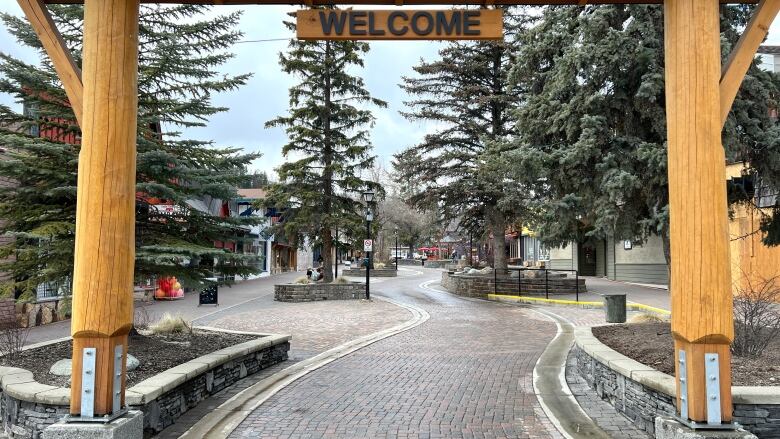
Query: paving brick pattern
315, 326
466, 373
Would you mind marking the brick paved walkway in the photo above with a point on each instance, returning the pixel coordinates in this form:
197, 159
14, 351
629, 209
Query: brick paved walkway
465, 373
315, 327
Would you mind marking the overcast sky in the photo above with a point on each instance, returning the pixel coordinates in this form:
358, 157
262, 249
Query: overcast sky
265, 96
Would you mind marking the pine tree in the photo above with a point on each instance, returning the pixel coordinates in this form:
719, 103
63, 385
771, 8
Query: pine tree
328, 144
593, 127
180, 50
467, 91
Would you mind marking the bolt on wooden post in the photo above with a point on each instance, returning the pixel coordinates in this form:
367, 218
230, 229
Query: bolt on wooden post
702, 320
105, 212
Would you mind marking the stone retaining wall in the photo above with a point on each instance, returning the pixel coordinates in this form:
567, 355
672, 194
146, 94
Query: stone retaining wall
27, 406
480, 285
375, 272
315, 291
641, 393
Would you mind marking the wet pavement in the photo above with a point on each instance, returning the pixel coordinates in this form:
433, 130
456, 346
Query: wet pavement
465, 373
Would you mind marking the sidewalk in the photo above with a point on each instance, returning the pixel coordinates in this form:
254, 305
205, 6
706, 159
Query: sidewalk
188, 306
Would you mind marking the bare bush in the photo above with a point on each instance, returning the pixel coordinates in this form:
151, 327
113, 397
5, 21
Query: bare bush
756, 317
141, 318
13, 337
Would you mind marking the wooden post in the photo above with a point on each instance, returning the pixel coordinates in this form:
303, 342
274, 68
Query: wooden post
702, 320
105, 212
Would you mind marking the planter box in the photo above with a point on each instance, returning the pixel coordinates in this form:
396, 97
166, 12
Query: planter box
641, 393
375, 272
27, 406
480, 285
316, 291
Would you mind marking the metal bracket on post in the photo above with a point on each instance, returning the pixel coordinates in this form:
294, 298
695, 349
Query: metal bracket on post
712, 386
87, 414
683, 385
88, 382
119, 351
712, 375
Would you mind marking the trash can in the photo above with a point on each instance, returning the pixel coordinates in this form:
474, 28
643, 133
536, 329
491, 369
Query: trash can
615, 307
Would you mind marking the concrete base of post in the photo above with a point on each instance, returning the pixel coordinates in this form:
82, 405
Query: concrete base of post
129, 426
670, 428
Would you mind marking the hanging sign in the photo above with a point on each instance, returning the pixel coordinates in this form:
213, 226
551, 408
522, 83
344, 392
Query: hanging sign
400, 24
368, 245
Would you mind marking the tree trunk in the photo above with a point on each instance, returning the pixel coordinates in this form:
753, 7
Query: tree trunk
667, 253
497, 227
327, 177
327, 258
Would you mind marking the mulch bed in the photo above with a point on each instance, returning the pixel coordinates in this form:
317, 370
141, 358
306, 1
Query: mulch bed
157, 353
651, 344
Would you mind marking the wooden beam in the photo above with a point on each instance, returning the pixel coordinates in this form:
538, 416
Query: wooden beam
64, 64
743, 54
406, 2
702, 319
105, 207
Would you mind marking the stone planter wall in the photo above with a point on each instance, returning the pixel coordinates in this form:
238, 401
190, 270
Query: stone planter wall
27, 406
32, 314
318, 291
480, 285
375, 272
409, 262
641, 393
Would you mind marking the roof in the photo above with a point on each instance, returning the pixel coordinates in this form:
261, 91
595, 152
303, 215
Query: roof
769, 50
252, 194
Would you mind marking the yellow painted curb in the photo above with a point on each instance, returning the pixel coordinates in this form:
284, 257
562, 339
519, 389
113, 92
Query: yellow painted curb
526, 299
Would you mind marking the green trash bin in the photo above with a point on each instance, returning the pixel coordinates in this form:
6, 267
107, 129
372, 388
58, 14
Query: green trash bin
615, 307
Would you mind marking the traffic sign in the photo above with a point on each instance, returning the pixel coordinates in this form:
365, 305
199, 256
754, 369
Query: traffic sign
368, 245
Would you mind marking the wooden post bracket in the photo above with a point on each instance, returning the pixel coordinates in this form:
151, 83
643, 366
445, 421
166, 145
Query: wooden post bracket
51, 39
744, 52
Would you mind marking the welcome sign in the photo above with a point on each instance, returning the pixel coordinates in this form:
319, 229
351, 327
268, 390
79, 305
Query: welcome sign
400, 24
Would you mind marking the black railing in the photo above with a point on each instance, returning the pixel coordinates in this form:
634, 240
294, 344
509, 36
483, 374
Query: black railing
546, 271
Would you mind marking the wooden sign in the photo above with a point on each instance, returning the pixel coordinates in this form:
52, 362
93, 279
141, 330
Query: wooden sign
400, 24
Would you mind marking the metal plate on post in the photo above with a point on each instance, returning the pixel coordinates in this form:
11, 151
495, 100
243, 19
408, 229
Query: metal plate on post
119, 351
683, 385
712, 375
88, 382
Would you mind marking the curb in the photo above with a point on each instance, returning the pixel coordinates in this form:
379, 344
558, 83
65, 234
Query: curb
221, 422
586, 305
551, 389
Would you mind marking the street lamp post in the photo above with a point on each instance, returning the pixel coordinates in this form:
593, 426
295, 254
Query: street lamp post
368, 197
336, 265
396, 248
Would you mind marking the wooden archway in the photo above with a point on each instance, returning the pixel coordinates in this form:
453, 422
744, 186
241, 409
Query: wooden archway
699, 95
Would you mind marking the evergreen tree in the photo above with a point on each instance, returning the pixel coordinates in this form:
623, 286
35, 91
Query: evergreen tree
593, 126
180, 51
328, 144
467, 91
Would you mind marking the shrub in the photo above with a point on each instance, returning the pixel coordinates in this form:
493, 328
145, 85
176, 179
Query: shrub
170, 324
302, 280
756, 317
379, 265
12, 338
340, 281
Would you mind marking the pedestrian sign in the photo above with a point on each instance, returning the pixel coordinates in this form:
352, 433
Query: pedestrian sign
368, 245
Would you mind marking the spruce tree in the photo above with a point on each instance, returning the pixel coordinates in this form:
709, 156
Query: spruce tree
593, 126
181, 48
467, 91
328, 144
